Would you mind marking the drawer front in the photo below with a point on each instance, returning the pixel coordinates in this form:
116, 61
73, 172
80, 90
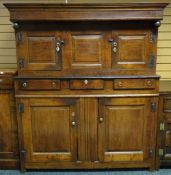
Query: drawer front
86, 84
40, 85
134, 84
6, 83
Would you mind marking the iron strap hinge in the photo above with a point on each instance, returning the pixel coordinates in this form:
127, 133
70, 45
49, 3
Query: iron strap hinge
152, 37
19, 38
151, 152
22, 154
153, 107
20, 107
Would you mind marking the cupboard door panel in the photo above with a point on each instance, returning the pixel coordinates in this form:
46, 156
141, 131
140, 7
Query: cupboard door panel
49, 133
132, 49
89, 49
39, 51
123, 132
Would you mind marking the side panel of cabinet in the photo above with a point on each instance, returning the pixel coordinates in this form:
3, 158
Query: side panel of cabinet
127, 131
8, 131
49, 130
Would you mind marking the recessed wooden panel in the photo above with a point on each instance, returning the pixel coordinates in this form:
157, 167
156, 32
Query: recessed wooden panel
41, 49
167, 104
168, 142
55, 129
121, 123
6, 140
87, 50
132, 50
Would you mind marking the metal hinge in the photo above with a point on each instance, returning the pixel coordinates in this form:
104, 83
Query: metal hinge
151, 61
20, 107
22, 154
153, 107
21, 63
161, 152
151, 152
19, 38
152, 37
162, 126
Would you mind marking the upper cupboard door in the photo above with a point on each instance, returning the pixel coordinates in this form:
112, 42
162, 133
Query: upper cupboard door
132, 50
40, 51
88, 50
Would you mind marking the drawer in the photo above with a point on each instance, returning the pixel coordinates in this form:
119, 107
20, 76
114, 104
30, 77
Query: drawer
134, 84
39, 84
6, 83
86, 84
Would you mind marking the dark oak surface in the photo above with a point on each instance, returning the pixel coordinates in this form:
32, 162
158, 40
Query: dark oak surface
86, 79
9, 152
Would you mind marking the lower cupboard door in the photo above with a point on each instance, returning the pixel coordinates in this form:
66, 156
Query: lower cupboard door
49, 130
125, 129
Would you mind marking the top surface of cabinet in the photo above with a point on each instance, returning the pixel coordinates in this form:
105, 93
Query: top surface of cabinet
102, 11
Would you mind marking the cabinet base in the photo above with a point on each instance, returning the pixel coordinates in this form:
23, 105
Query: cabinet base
89, 165
9, 164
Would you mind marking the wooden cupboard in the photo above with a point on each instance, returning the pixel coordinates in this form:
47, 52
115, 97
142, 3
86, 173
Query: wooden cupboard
9, 152
87, 90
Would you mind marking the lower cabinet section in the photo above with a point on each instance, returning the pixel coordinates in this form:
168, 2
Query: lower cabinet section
87, 132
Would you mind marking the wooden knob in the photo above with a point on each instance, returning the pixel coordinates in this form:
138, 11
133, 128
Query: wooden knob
24, 85
85, 81
149, 83
53, 84
120, 84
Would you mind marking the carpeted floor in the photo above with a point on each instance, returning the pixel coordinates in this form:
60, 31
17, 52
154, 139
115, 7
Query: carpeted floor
106, 172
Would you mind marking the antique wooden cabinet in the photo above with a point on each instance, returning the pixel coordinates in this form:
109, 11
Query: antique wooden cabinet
87, 89
9, 153
164, 129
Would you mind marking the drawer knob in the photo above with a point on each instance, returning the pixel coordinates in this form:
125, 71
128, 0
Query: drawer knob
73, 123
101, 119
53, 84
24, 85
85, 81
149, 83
120, 84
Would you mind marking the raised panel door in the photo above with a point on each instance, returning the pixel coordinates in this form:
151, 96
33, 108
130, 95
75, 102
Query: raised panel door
132, 49
49, 130
40, 50
123, 130
88, 50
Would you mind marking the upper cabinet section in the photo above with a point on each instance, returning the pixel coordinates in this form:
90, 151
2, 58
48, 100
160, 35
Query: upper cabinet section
86, 39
